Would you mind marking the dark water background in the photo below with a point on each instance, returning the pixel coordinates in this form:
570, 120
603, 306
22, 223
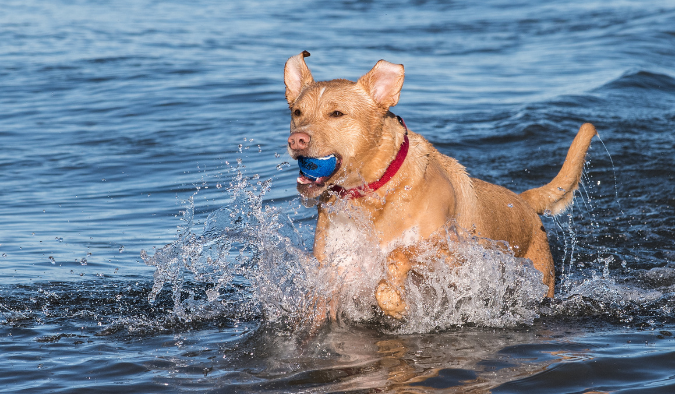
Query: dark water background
114, 114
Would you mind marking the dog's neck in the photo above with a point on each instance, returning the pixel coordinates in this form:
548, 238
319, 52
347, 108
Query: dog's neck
389, 172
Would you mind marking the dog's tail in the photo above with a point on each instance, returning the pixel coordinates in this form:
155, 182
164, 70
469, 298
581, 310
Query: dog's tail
557, 195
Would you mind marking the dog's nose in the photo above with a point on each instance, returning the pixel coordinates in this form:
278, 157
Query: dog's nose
298, 141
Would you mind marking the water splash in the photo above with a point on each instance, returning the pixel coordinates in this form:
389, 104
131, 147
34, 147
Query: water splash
249, 262
253, 263
490, 288
243, 246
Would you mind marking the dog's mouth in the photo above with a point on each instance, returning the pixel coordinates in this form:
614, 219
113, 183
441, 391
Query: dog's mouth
315, 172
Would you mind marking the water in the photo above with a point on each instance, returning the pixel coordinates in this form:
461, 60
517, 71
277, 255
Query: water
130, 126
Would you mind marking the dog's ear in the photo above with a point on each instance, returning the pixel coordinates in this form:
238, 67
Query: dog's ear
384, 83
296, 76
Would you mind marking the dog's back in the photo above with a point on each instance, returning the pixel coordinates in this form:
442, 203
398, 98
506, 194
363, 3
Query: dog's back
494, 212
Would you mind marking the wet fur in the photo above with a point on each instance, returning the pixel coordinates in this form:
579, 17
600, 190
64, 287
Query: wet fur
429, 191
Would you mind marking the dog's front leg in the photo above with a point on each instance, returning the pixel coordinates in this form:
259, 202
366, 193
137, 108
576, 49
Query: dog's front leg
389, 291
320, 234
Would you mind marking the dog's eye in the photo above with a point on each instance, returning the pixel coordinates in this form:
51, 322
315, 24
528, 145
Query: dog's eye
336, 114
297, 112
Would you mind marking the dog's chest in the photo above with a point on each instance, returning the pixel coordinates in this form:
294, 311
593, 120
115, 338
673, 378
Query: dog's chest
347, 234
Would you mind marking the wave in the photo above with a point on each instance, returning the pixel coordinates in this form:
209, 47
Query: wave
640, 80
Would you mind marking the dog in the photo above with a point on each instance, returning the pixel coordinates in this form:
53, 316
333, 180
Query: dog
362, 153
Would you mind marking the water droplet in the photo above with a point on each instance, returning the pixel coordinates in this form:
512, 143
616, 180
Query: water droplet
83, 261
510, 205
4, 255
240, 146
598, 183
121, 248
277, 155
51, 260
283, 165
218, 186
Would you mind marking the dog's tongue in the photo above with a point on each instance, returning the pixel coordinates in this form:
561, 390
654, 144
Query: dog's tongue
303, 180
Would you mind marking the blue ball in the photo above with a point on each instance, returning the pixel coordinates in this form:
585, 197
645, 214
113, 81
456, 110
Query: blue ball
317, 167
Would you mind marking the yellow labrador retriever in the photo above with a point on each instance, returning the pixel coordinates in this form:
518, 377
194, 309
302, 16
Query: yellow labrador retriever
351, 147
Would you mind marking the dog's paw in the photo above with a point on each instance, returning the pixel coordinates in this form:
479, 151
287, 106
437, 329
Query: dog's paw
389, 300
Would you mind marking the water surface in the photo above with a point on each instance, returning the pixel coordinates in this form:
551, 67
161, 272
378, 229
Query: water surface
125, 127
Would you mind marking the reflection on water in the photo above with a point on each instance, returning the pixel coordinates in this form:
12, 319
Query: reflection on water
465, 360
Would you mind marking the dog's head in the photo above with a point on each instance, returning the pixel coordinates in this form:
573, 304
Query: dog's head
338, 117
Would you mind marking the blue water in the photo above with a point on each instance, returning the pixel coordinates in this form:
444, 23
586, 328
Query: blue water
124, 127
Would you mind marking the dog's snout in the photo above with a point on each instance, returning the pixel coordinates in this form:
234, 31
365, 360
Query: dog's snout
299, 141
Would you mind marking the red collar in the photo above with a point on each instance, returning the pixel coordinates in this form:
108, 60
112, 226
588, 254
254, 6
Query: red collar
393, 168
